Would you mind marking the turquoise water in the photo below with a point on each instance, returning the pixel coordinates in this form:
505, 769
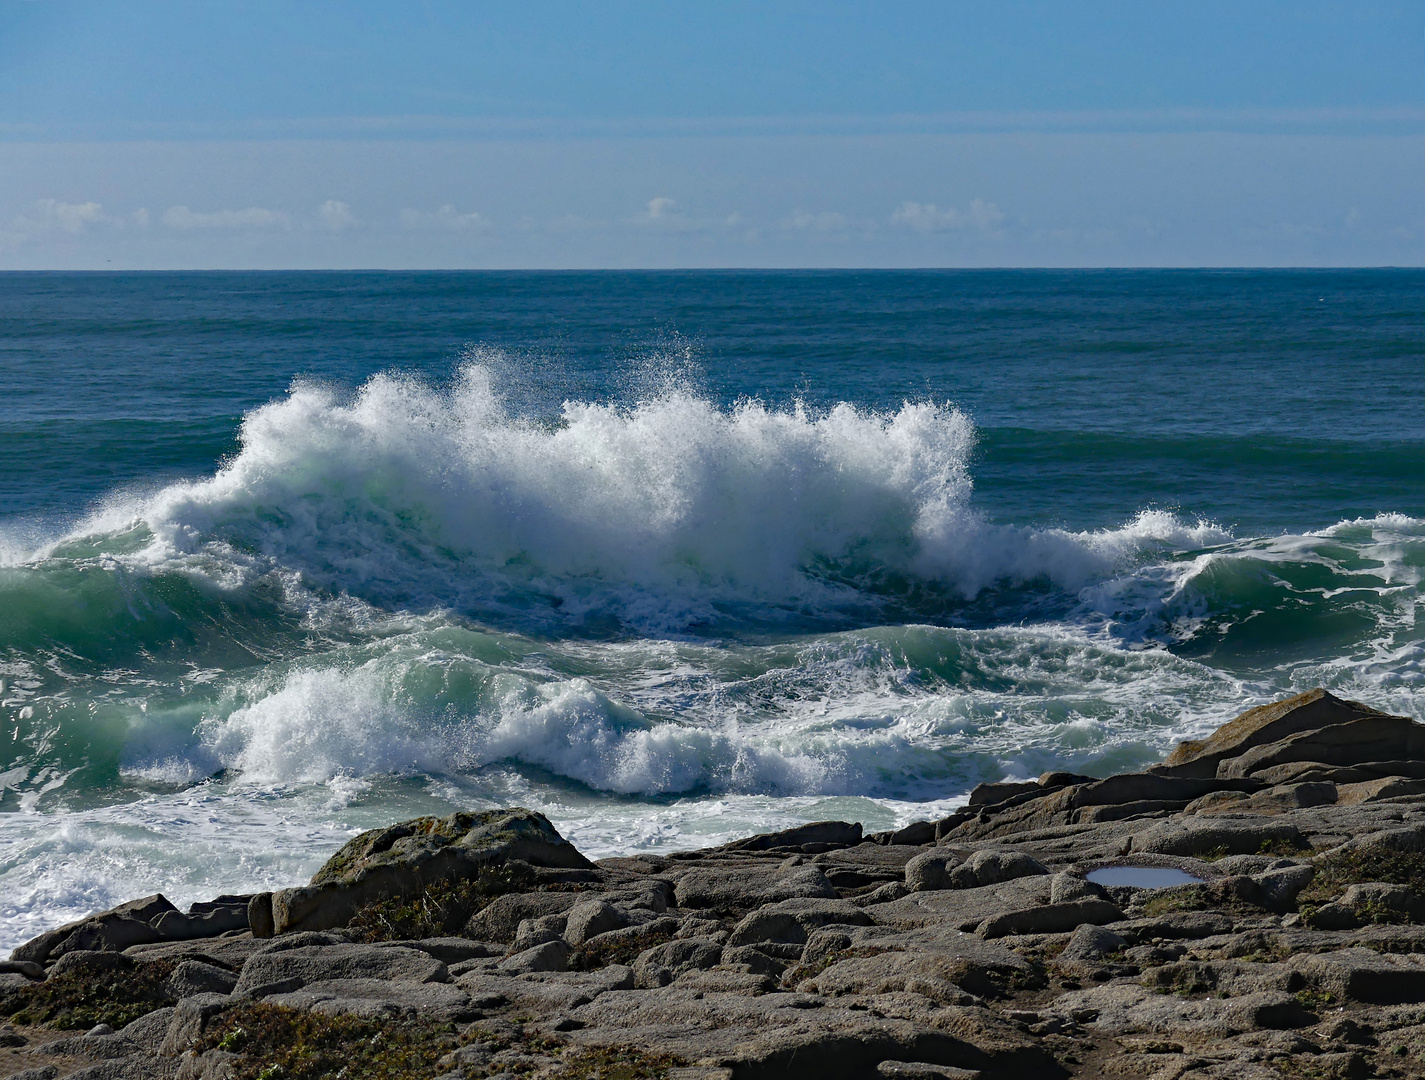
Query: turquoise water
669, 556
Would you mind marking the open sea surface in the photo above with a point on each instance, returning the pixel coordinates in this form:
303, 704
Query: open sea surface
671, 557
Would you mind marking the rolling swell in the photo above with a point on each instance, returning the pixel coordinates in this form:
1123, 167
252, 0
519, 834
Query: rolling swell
655, 599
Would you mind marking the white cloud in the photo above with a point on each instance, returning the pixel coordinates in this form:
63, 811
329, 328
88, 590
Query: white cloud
826, 221
447, 217
336, 215
662, 213
70, 217
254, 217
140, 217
928, 217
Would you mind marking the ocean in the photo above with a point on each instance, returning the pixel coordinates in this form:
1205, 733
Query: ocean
671, 557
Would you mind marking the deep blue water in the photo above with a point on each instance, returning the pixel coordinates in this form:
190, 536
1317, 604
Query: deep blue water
670, 556
1268, 399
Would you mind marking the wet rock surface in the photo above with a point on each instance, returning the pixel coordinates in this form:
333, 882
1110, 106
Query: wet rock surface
484, 945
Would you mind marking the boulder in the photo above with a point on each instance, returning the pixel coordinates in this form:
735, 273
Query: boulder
891, 890
1385, 787
175, 926
1275, 800
195, 977
1369, 738
1128, 788
107, 931
501, 918
923, 1070
915, 834
989, 794
756, 961
930, 870
1310, 711
1387, 841
965, 908
589, 918
1065, 888
942, 978
551, 956
991, 867
402, 859
227, 952
659, 966
791, 921
1370, 901
534, 932
449, 950
796, 1036
259, 915
1091, 943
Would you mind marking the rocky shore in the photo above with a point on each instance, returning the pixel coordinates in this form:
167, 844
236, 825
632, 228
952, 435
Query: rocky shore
1017, 938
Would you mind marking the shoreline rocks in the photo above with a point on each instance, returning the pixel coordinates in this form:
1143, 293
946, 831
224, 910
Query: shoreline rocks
485, 945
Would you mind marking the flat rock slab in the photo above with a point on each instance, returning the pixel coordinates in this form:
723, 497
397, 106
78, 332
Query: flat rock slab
546, 996
943, 977
286, 970
1217, 836
962, 907
380, 998
230, 952
750, 885
1121, 1008
1049, 918
1365, 975
781, 1035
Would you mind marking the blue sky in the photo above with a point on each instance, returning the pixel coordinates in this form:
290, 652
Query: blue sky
736, 134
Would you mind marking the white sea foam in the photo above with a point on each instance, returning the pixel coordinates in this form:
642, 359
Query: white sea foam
661, 514
896, 712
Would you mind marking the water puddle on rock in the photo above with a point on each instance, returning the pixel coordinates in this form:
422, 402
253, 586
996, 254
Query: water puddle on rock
1142, 877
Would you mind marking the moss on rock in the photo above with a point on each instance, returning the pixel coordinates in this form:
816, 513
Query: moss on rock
270, 1041
77, 1000
441, 908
